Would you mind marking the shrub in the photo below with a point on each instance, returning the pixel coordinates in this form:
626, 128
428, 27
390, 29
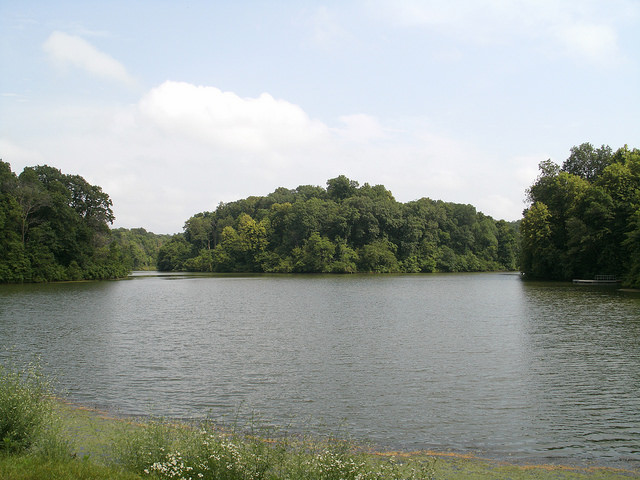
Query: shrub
26, 410
161, 450
137, 449
164, 450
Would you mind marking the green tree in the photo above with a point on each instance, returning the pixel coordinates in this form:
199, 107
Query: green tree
204, 262
587, 224
174, 254
341, 187
621, 181
364, 225
242, 249
561, 193
31, 196
346, 228
539, 254
379, 256
507, 236
317, 254
485, 241
345, 258
587, 162
280, 221
89, 202
252, 241
55, 226
199, 230
139, 247
632, 243
589, 240
14, 264
227, 253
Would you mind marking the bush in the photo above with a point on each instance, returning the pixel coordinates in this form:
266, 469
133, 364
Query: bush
164, 450
161, 450
25, 408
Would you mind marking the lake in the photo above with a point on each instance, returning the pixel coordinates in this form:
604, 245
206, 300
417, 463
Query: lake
480, 363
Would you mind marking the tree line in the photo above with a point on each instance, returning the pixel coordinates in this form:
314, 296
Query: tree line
139, 247
584, 217
55, 226
343, 228
583, 220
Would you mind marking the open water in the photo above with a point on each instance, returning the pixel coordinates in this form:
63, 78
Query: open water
480, 363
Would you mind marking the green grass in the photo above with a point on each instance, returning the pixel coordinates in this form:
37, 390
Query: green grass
136, 446
34, 467
44, 438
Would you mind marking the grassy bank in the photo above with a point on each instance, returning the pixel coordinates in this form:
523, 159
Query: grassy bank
45, 438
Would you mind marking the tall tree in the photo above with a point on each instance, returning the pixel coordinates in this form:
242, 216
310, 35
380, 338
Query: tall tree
62, 223
341, 187
583, 215
346, 228
588, 162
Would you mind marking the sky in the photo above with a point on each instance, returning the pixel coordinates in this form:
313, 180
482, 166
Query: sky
175, 106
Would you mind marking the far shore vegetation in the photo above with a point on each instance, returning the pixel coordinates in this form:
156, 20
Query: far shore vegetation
583, 220
584, 217
42, 437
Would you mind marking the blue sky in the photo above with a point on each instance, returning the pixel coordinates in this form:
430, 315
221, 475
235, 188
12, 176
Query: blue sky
172, 107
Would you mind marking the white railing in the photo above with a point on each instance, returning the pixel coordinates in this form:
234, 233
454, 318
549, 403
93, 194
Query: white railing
605, 278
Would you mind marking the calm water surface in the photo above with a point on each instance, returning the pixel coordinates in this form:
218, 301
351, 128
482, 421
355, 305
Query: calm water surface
482, 363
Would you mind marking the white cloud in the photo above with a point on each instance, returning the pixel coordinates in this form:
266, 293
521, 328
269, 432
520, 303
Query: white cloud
526, 170
500, 206
225, 120
182, 149
488, 21
360, 128
585, 30
326, 31
66, 49
597, 44
433, 13
18, 156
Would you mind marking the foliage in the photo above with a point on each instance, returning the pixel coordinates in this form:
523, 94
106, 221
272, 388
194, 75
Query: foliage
27, 420
345, 228
30, 467
139, 247
174, 254
165, 451
54, 226
584, 217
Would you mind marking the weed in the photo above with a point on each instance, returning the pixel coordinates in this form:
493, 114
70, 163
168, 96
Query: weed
168, 451
27, 418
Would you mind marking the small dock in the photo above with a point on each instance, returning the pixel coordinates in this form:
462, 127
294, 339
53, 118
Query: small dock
598, 280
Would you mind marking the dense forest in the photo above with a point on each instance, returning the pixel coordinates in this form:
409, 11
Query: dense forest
343, 228
55, 226
139, 248
584, 218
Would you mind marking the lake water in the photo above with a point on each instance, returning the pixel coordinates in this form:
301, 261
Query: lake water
480, 363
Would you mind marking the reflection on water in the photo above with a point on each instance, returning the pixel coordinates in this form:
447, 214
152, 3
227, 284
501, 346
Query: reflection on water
483, 363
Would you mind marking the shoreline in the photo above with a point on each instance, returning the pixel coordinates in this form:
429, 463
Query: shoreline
449, 459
